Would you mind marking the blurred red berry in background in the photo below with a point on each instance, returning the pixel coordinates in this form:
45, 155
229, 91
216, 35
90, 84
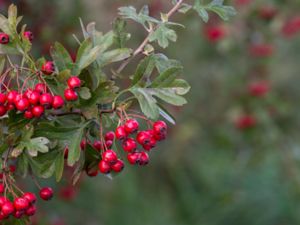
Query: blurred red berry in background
245, 122
214, 33
291, 27
259, 88
261, 50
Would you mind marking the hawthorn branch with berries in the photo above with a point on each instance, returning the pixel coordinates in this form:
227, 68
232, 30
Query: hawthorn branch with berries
61, 111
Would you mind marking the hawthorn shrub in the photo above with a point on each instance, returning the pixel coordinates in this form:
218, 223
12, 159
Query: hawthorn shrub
65, 111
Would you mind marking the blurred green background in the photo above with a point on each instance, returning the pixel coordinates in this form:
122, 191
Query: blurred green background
215, 168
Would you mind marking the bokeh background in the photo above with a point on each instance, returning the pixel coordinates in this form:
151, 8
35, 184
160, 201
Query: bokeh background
233, 158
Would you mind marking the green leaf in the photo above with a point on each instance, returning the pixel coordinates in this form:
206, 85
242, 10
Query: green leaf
142, 17
120, 34
112, 56
163, 35
147, 102
86, 55
165, 114
185, 8
61, 57
167, 77
85, 93
144, 69
70, 135
36, 145
59, 166
168, 95
180, 86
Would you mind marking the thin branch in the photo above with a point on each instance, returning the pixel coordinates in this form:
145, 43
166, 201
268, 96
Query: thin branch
145, 42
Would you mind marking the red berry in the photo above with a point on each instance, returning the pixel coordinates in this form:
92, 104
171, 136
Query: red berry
144, 159
3, 110
129, 145
91, 171
41, 88
143, 137
70, 95
21, 204
58, 102
30, 197
48, 68
7, 208
3, 200
12, 168
46, 100
97, 145
118, 166
109, 136
151, 144
4, 38
10, 106
160, 127
46, 193
246, 122
37, 111
28, 35
109, 143
2, 98
74, 82
120, 133
83, 144
22, 104
215, 33
18, 214
131, 126
133, 158
11, 96
104, 167
2, 188
34, 97
259, 89
109, 156
31, 211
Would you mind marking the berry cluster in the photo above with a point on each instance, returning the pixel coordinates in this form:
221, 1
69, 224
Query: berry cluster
20, 206
70, 93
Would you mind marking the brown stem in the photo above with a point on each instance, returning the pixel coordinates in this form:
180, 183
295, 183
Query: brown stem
145, 42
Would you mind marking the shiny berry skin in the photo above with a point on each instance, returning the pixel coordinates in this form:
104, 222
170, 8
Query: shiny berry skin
18, 214
30, 197
109, 136
30, 211
58, 102
28, 35
131, 126
160, 127
46, 99
133, 158
109, 156
150, 145
1, 188
3, 110
109, 143
11, 96
34, 97
74, 82
3, 200
4, 38
2, 216
12, 168
22, 104
104, 167
118, 166
46, 193
120, 133
97, 145
129, 145
143, 137
37, 111
41, 88
143, 159
2, 98
21, 204
28, 114
70, 95
48, 68
7, 208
